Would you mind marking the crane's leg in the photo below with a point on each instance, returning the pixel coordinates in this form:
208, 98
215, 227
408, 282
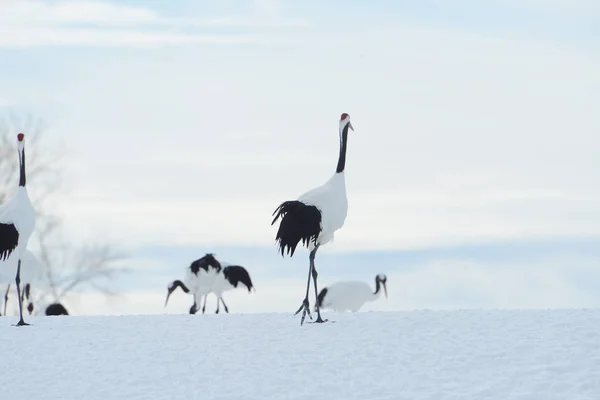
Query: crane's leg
6, 299
193, 308
224, 305
218, 304
18, 281
305, 304
314, 275
204, 306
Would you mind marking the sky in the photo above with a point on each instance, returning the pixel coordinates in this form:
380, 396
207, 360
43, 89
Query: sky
472, 174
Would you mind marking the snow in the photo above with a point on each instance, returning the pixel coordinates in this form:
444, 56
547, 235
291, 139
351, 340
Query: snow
496, 355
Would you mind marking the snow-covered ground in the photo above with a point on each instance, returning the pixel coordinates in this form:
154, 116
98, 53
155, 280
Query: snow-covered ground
436, 355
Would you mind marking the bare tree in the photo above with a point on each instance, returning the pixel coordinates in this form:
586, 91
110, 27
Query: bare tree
66, 267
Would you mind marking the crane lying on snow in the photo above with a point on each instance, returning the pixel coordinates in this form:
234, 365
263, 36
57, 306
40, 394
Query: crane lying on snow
315, 216
17, 222
49, 310
56, 309
208, 275
350, 295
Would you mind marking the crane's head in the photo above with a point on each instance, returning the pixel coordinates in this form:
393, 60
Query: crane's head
20, 142
381, 279
345, 123
174, 285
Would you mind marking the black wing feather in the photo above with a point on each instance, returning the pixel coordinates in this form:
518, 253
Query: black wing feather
299, 222
9, 239
321, 297
236, 274
208, 260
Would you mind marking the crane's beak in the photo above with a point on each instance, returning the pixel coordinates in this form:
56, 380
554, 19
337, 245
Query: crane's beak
350, 126
170, 290
385, 289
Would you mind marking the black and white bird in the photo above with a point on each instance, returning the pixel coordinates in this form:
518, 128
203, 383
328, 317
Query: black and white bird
198, 280
350, 295
315, 216
17, 222
212, 276
56, 309
45, 308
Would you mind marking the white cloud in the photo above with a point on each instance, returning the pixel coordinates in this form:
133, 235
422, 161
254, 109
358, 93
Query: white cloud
114, 38
33, 12
573, 6
27, 23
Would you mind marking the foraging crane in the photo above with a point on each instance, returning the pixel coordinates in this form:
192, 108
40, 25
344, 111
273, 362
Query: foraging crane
17, 222
350, 295
198, 279
220, 279
315, 216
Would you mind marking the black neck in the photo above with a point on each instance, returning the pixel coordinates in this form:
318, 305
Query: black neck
22, 168
377, 286
343, 145
180, 284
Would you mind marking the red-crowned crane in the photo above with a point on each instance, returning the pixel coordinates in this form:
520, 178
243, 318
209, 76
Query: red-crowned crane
350, 295
315, 216
17, 222
198, 279
207, 275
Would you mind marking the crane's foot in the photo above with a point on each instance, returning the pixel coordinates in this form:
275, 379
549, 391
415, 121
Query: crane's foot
319, 319
21, 323
306, 307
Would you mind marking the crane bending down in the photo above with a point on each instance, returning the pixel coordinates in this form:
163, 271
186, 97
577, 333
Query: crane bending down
208, 275
315, 216
17, 222
198, 279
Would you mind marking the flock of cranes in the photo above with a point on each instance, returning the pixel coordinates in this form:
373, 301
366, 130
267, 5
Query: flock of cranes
312, 219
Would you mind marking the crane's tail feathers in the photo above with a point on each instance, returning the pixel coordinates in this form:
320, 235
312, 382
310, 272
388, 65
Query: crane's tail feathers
321, 297
236, 274
299, 222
